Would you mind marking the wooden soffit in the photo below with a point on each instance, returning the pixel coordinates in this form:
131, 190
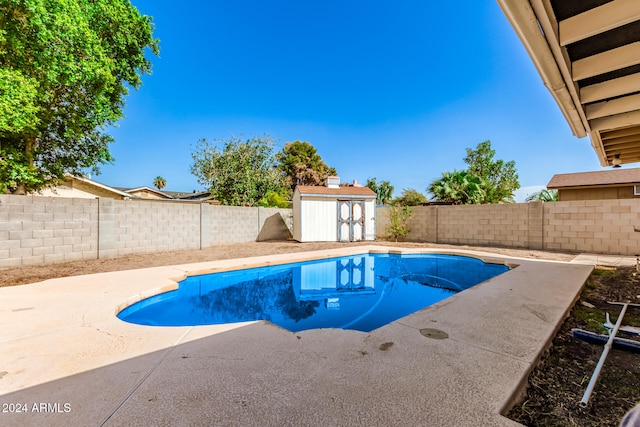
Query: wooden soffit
588, 55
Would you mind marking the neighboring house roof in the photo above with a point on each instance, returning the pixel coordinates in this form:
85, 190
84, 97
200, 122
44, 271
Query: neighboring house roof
77, 186
195, 195
99, 185
82, 187
588, 55
140, 191
592, 179
338, 191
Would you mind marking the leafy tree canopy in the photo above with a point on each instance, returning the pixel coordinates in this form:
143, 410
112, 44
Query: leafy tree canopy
410, 197
276, 199
65, 69
237, 172
383, 190
484, 181
301, 164
499, 179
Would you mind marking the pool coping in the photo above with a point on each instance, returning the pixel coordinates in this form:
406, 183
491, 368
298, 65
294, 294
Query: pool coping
64, 342
267, 261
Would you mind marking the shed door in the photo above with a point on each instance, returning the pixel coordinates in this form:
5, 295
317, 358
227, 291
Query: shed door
350, 220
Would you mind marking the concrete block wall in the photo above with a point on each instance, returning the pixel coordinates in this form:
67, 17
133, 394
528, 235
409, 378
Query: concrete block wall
596, 226
381, 222
285, 213
422, 224
275, 224
36, 230
592, 226
40, 230
155, 226
482, 225
236, 224
536, 225
233, 224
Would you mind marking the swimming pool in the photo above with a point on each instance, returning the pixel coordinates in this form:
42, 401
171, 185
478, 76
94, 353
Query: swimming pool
361, 292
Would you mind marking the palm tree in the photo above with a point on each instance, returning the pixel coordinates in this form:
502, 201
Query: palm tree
458, 187
384, 190
159, 182
543, 196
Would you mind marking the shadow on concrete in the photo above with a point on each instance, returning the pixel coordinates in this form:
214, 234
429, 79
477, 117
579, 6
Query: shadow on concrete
261, 375
240, 377
127, 393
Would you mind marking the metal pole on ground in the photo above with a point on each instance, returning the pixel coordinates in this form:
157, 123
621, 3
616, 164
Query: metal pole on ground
605, 352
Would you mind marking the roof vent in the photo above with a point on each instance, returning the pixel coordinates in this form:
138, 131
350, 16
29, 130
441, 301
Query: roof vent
333, 182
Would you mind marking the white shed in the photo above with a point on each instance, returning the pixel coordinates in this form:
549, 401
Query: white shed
333, 213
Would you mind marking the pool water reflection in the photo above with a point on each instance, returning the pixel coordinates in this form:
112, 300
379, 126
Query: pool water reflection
361, 292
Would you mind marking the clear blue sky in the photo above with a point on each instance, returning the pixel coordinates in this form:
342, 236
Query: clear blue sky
395, 91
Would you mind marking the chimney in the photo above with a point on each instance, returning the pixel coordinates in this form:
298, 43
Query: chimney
333, 182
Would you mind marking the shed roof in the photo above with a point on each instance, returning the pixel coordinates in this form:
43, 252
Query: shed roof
597, 178
340, 191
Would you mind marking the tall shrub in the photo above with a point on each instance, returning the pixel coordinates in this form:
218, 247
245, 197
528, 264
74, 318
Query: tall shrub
398, 218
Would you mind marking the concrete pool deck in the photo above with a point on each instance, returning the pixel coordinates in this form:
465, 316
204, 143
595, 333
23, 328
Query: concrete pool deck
65, 358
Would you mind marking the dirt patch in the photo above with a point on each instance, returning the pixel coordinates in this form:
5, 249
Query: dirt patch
557, 385
33, 274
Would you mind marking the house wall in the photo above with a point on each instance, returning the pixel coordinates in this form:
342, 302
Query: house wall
37, 230
603, 193
593, 226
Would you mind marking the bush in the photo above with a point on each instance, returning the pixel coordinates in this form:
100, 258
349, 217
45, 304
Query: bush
398, 217
275, 199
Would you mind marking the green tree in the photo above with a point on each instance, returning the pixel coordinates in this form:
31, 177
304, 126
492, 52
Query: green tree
499, 178
237, 172
410, 197
457, 187
384, 190
159, 182
543, 196
65, 70
301, 164
17, 107
276, 199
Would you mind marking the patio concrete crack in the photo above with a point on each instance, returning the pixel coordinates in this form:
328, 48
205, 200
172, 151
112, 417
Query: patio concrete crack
143, 379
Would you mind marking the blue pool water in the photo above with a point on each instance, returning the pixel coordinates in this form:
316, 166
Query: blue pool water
361, 292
